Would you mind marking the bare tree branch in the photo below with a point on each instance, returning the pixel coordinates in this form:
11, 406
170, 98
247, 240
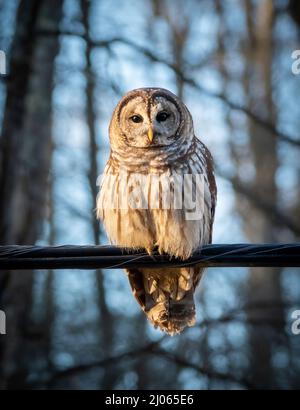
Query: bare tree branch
269, 209
180, 361
152, 348
153, 57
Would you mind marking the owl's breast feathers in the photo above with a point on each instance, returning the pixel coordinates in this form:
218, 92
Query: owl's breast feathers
138, 208
166, 295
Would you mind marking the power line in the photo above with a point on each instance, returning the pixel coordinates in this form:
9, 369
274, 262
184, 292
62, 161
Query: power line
100, 257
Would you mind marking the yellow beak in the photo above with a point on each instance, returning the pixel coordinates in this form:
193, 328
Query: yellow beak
150, 134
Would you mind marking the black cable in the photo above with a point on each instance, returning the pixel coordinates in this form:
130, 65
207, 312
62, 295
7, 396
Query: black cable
99, 257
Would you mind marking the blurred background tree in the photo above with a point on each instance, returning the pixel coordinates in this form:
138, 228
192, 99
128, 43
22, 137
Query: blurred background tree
69, 61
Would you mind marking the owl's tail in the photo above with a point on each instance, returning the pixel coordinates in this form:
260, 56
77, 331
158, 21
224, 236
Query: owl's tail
172, 316
167, 297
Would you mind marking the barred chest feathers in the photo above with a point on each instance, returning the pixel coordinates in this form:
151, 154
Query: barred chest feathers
169, 209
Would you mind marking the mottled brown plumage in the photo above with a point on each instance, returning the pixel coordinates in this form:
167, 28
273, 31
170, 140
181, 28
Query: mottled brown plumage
152, 136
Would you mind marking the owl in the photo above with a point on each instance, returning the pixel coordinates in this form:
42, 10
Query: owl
154, 151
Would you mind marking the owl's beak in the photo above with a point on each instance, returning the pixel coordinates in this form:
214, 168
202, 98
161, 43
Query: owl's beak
150, 134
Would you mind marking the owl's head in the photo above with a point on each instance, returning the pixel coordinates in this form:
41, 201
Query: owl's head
149, 118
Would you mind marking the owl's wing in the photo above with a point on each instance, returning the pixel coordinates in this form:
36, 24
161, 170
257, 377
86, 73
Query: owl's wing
209, 165
202, 163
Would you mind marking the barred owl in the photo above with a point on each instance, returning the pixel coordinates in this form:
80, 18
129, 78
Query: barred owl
153, 146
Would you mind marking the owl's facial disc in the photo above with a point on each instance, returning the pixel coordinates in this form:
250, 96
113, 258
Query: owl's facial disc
149, 123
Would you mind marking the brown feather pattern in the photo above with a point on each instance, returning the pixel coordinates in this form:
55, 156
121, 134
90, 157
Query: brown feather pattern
165, 295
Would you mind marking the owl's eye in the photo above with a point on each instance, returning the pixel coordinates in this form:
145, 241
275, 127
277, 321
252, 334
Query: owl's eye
136, 118
162, 116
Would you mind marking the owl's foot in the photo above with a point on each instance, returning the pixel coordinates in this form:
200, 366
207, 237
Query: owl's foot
149, 250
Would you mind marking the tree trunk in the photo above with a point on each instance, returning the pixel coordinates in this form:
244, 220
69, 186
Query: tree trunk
24, 168
264, 284
106, 326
